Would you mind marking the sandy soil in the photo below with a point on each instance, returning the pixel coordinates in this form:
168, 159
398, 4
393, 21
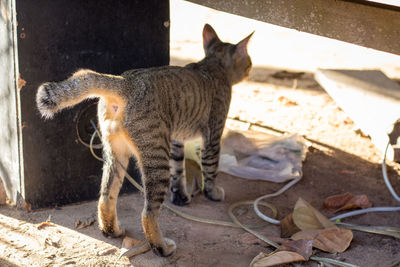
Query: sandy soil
339, 160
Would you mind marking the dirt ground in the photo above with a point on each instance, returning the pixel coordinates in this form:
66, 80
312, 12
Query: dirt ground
339, 160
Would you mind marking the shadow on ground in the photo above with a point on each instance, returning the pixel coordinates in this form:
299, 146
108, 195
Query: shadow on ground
327, 171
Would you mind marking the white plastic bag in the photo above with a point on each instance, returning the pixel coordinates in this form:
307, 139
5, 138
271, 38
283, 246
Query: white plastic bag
260, 156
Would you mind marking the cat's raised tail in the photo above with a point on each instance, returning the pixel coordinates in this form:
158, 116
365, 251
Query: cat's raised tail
55, 96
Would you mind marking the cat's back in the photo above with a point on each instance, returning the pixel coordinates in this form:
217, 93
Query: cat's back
156, 82
161, 74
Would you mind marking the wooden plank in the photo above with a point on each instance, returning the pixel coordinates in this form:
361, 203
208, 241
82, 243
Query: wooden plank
364, 23
371, 100
10, 162
55, 39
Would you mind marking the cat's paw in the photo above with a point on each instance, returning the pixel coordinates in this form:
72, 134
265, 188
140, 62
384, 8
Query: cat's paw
108, 221
113, 232
215, 193
165, 250
179, 197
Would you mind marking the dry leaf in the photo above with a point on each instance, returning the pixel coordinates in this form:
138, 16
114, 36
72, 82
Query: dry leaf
77, 223
131, 247
317, 227
309, 234
306, 217
275, 258
27, 206
301, 246
84, 223
288, 228
109, 251
332, 203
286, 101
344, 171
330, 240
53, 241
129, 242
44, 224
357, 202
21, 82
345, 202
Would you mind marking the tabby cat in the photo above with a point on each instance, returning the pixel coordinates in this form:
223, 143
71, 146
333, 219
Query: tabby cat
149, 114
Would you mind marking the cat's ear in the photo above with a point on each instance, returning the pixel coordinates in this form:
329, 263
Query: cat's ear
209, 36
241, 47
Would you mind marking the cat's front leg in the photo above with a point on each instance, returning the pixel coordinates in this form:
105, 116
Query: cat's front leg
209, 162
179, 194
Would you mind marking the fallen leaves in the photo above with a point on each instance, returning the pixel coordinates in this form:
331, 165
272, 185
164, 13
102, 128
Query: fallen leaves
307, 223
21, 82
265, 260
108, 251
307, 217
52, 241
83, 223
290, 251
288, 227
44, 224
307, 228
302, 247
346, 201
330, 240
344, 171
131, 247
286, 101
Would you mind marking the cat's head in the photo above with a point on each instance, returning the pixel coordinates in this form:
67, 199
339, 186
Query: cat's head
233, 57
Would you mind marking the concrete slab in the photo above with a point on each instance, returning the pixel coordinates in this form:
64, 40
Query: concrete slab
371, 100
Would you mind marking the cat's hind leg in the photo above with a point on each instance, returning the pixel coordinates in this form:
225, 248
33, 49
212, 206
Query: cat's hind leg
116, 158
153, 149
209, 162
179, 194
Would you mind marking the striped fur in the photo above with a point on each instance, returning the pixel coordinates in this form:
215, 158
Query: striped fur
149, 114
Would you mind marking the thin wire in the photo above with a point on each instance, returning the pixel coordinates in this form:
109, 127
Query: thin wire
341, 216
95, 146
363, 211
176, 211
91, 146
236, 223
385, 176
283, 189
376, 209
